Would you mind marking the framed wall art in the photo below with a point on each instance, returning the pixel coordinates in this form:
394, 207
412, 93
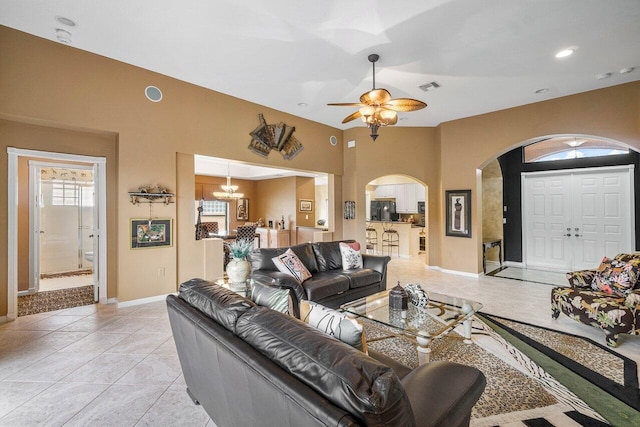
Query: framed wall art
306, 205
458, 212
350, 209
154, 233
242, 209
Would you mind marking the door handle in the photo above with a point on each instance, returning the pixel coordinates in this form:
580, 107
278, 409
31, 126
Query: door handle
568, 234
577, 235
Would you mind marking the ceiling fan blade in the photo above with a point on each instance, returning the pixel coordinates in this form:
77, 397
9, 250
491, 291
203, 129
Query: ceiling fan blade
350, 117
375, 96
404, 104
345, 104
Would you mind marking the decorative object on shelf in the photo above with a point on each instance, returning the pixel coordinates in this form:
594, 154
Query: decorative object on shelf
398, 298
305, 205
151, 233
239, 268
376, 106
278, 137
458, 203
260, 222
151, 194
281, 223
242, 209
199, 221
349, 209
417, 295
229, 191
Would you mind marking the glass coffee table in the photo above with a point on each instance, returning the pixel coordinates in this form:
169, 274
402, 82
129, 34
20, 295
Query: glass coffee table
442, 314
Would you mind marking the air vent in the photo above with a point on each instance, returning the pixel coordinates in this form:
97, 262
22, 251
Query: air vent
429, 86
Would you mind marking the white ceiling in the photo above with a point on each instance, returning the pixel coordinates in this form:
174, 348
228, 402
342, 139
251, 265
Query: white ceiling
487, 55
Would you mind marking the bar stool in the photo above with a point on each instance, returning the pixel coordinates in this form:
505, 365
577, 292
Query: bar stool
390, 239
371, 238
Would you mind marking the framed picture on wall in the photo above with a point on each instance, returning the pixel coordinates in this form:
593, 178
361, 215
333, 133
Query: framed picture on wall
306, 205
458, 212
349, 209
146, 233
242, 209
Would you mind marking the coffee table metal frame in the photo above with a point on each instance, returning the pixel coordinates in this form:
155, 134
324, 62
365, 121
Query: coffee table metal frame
417, 323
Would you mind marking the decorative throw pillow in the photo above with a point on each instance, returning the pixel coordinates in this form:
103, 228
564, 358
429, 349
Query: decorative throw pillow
615, 277
269, 295
351, 258
290, 264
334, 323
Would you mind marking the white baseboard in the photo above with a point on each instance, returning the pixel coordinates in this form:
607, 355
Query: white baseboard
456, 272
142, 301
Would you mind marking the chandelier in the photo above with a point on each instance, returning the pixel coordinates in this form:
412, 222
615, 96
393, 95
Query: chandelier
229, 190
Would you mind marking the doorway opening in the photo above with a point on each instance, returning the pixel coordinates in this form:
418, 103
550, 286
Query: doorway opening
584, 165
57, 215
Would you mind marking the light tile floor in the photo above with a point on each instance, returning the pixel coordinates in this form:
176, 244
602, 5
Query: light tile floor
103, 365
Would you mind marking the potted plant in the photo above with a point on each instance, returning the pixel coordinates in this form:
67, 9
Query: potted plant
239, 268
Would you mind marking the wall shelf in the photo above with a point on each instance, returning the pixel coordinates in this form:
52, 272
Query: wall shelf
141, 197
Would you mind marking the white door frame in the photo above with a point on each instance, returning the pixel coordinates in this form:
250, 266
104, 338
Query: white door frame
632, 215
12, 219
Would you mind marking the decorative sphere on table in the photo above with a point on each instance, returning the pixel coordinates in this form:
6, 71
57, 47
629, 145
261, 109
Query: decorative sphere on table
466, 308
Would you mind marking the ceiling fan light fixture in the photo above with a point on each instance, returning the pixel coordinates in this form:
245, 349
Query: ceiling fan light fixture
377, 108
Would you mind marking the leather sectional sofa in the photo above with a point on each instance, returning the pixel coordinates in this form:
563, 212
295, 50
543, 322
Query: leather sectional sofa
330, 284
252, 366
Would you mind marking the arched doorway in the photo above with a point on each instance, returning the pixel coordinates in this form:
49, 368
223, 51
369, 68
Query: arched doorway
535, 226
398, 201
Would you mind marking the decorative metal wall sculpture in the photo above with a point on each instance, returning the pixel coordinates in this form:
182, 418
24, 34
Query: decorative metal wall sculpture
278, 137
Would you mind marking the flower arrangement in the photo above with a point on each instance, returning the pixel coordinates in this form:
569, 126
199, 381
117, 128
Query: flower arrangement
240, 248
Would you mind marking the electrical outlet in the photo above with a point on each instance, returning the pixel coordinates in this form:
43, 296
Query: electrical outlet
161, 272
504, 220
306, 217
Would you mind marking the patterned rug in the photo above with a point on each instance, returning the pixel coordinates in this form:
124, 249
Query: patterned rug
511, 395
612, 372
41, 302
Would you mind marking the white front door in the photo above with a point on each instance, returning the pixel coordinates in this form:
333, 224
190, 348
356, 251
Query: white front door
571, 219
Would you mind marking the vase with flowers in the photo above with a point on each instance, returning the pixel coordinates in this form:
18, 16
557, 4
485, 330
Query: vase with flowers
239, 268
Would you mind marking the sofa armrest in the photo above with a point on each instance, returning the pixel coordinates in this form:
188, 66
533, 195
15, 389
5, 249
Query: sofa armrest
582, 278
633, 299
376, 262
442, 393
282, 280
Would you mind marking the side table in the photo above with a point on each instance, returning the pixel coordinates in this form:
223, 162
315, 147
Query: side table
489, 243
242, 290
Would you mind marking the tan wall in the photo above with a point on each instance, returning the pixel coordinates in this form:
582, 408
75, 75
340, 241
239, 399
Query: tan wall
469, 144
47, 138
305, 189
60, 86
492, 204
277, 199
412, 152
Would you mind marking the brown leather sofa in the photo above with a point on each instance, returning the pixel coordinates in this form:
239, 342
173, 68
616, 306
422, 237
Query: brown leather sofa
252, 366
330, 284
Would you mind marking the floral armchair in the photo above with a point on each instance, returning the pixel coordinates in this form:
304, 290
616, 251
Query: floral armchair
607, 297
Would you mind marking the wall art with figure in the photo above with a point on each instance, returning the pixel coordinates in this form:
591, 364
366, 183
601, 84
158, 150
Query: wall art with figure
458, 203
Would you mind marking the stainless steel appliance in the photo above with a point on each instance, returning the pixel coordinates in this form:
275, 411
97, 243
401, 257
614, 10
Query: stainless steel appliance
420, 207
383, 210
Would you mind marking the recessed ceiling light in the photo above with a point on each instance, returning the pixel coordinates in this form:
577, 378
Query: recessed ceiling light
543, 90
565, 52
603, 76
627, 70
302, 104
65, 21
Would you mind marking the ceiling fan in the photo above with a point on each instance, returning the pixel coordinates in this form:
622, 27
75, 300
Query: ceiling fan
377, 108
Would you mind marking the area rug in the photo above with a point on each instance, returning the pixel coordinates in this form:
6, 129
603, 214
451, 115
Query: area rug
41, 302
612, 372
529, 275
511, 395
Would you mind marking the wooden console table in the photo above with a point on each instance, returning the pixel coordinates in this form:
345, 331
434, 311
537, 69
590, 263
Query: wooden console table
489, 243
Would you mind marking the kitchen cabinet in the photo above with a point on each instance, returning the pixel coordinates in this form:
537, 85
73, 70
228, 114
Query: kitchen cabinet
388, 191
